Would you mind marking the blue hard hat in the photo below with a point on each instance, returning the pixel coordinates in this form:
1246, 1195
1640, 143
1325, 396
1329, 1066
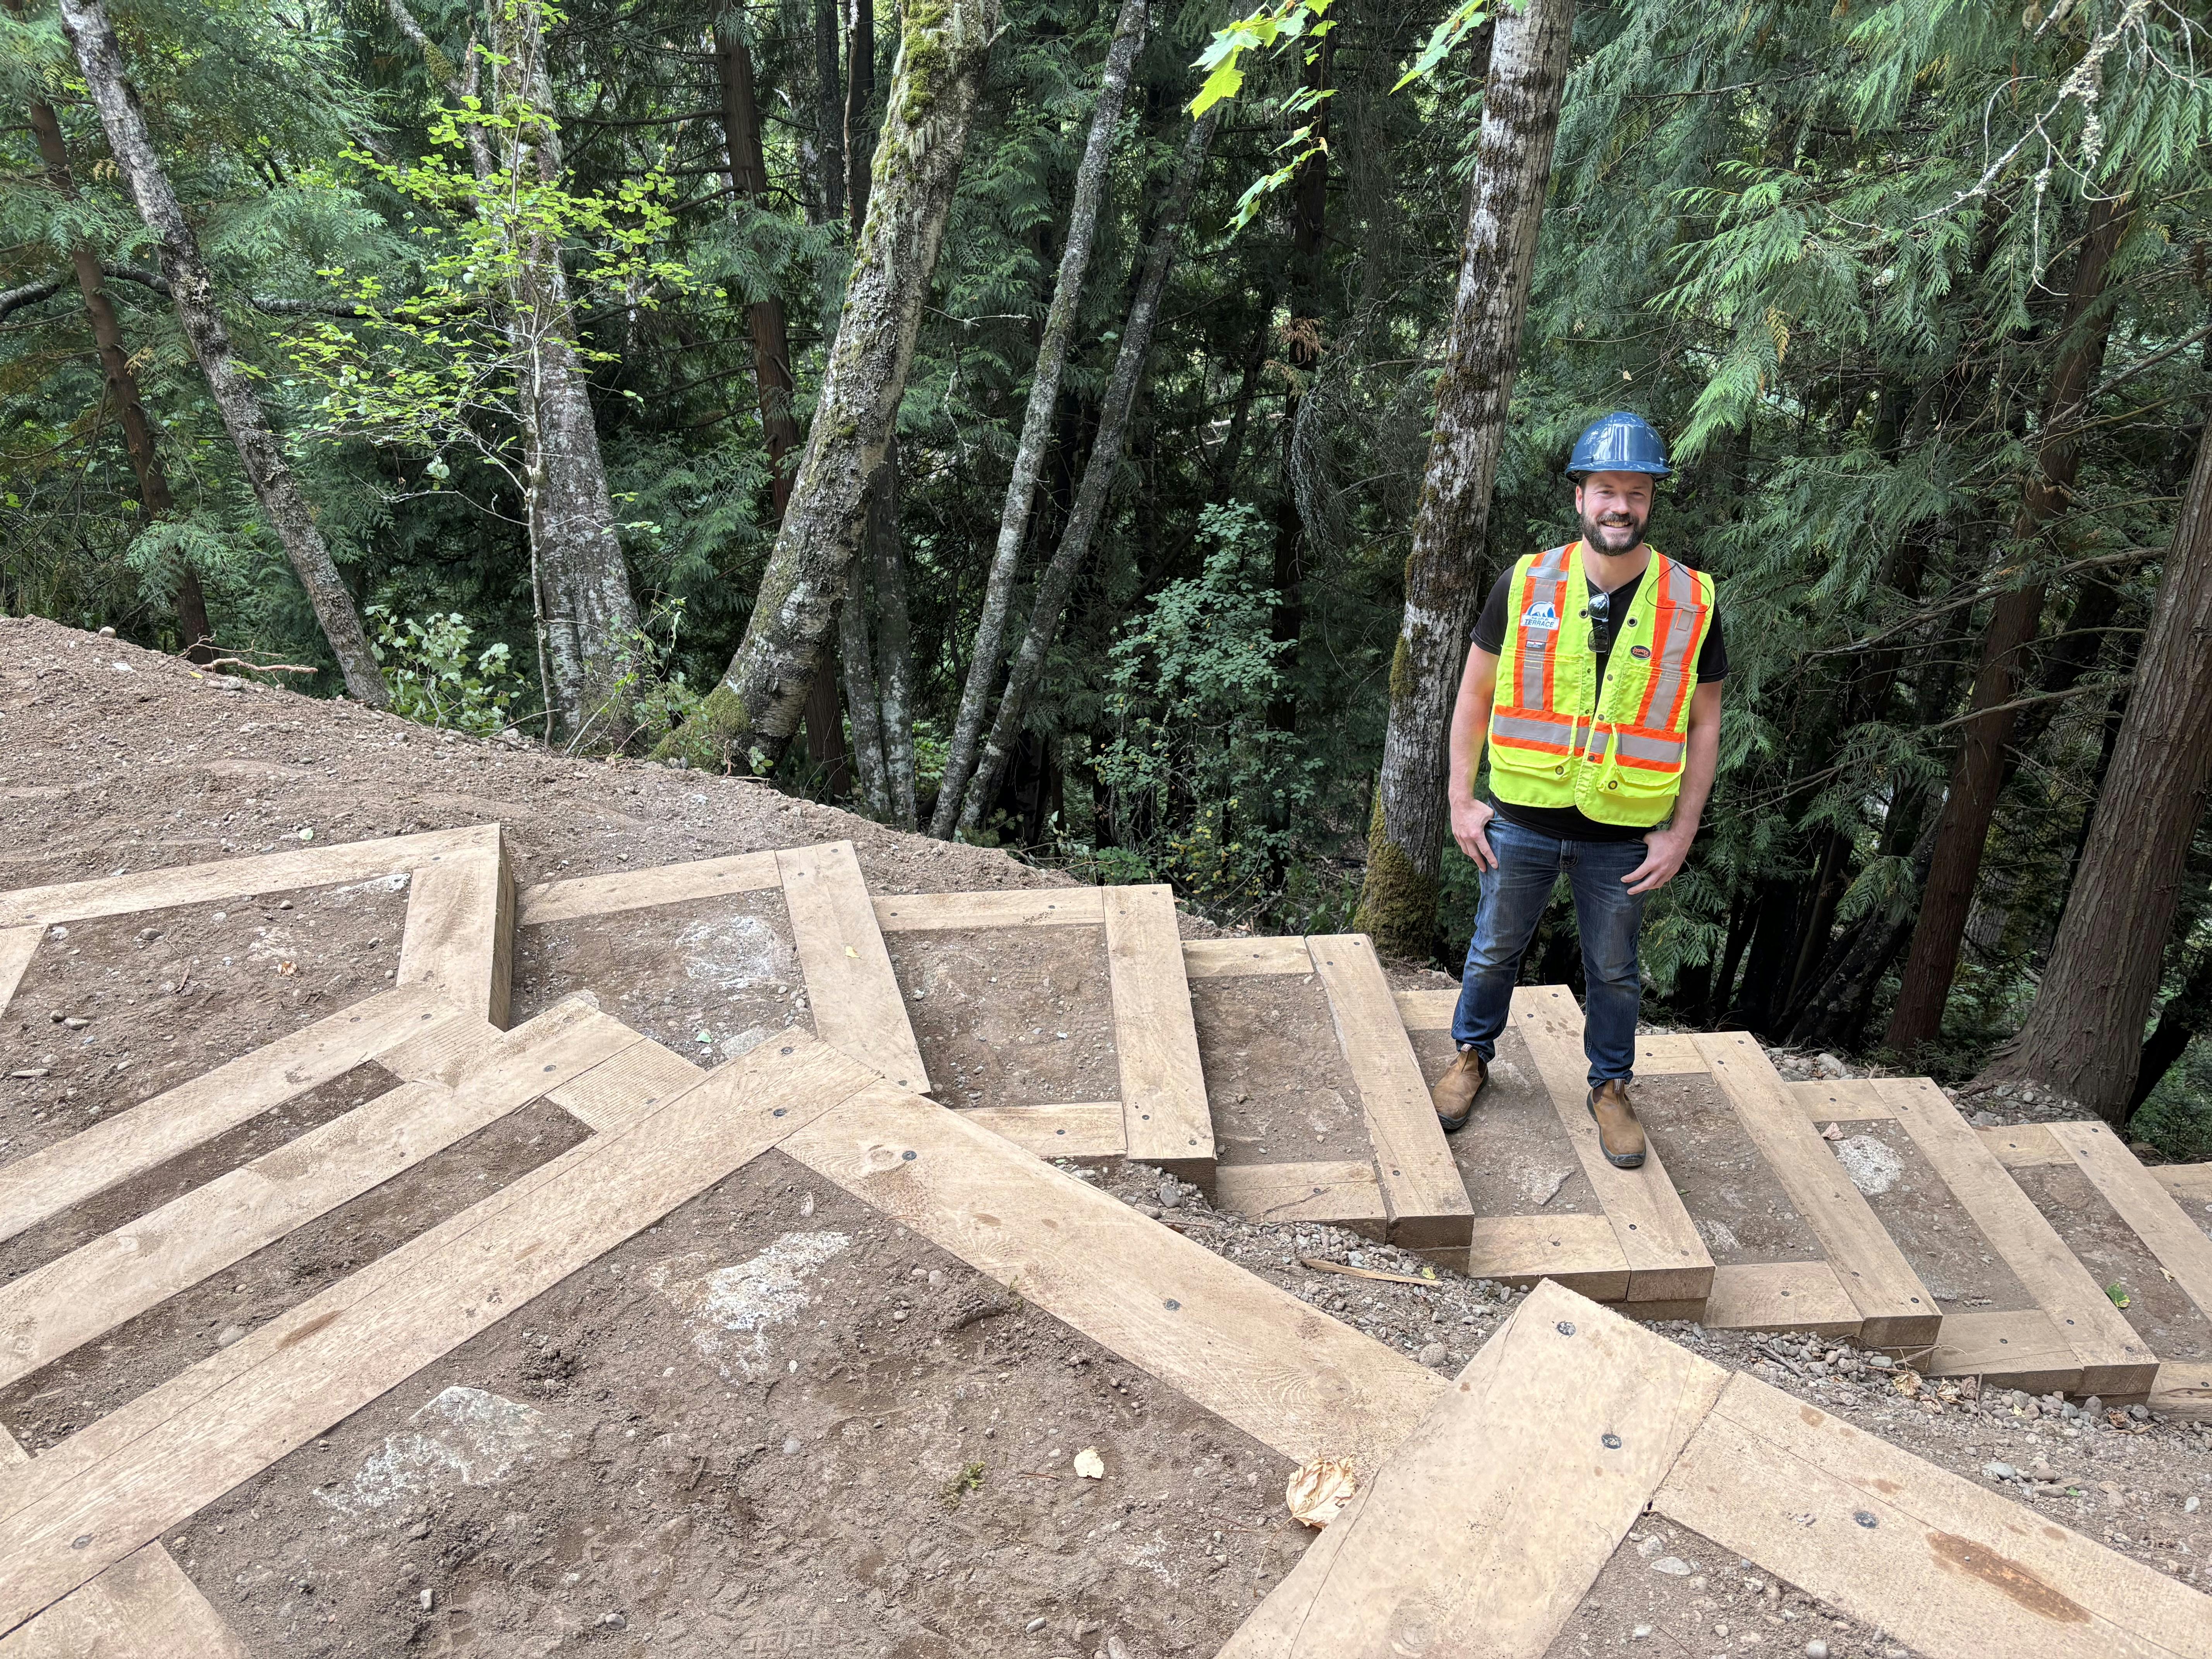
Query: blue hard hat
1621, 442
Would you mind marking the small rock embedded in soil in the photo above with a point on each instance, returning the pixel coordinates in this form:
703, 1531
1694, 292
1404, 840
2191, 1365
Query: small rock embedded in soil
1170, 1195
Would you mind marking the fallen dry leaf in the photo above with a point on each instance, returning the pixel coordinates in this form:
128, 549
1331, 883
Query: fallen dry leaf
1320, 1490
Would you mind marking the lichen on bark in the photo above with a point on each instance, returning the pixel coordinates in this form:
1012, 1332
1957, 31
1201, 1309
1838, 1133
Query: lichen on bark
1520, 121
944, 50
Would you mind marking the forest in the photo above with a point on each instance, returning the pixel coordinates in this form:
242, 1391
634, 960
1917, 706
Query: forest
1089, 427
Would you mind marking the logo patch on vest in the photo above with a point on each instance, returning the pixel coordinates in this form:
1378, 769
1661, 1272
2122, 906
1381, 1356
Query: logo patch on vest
1641, 653
1541, 616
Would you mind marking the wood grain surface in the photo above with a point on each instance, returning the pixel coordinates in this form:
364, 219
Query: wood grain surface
1285, 1374
849, 983
1895, 1310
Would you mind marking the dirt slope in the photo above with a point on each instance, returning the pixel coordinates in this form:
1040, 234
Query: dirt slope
116, 758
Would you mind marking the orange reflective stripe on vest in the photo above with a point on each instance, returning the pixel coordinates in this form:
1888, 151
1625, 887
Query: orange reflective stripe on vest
1538, 599
1659, 737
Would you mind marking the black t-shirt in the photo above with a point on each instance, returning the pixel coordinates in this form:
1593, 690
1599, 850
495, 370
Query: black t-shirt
1569, 822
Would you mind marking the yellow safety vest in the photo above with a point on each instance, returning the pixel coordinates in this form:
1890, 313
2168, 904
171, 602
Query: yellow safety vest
1555, 740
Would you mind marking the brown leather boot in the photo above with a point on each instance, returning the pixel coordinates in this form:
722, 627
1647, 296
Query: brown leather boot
1620, 1136
1454, 1095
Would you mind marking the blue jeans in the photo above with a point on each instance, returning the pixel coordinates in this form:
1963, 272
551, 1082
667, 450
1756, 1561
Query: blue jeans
1606, 915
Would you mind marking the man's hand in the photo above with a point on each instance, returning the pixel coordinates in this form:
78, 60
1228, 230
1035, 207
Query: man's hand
1664, 853
1470, 826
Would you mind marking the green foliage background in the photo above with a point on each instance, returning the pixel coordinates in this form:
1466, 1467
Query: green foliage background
1822, 243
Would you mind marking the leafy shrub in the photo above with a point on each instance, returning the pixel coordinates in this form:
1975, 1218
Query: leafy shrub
432, 678
1192, 678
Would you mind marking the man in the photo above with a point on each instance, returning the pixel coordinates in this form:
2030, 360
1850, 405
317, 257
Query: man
1595, 677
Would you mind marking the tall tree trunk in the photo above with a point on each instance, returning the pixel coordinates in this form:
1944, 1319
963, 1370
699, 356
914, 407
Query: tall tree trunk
1829, 878
820, 718
2179, 1022
891, 687
1834, 1010
1773, 934
592, 633
2116, 713
2084, 1036
191, 289
2068, 659
859, 109
590, 636
772, 376
856, 656
749, 718
1978, 776
1058, 582
1512, 165
863, 704
1222, 476
894, 642
828, 114
764, 318
122, 384
1742, 912
1036, 420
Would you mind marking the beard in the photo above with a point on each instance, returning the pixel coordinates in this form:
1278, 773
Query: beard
1615, 538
